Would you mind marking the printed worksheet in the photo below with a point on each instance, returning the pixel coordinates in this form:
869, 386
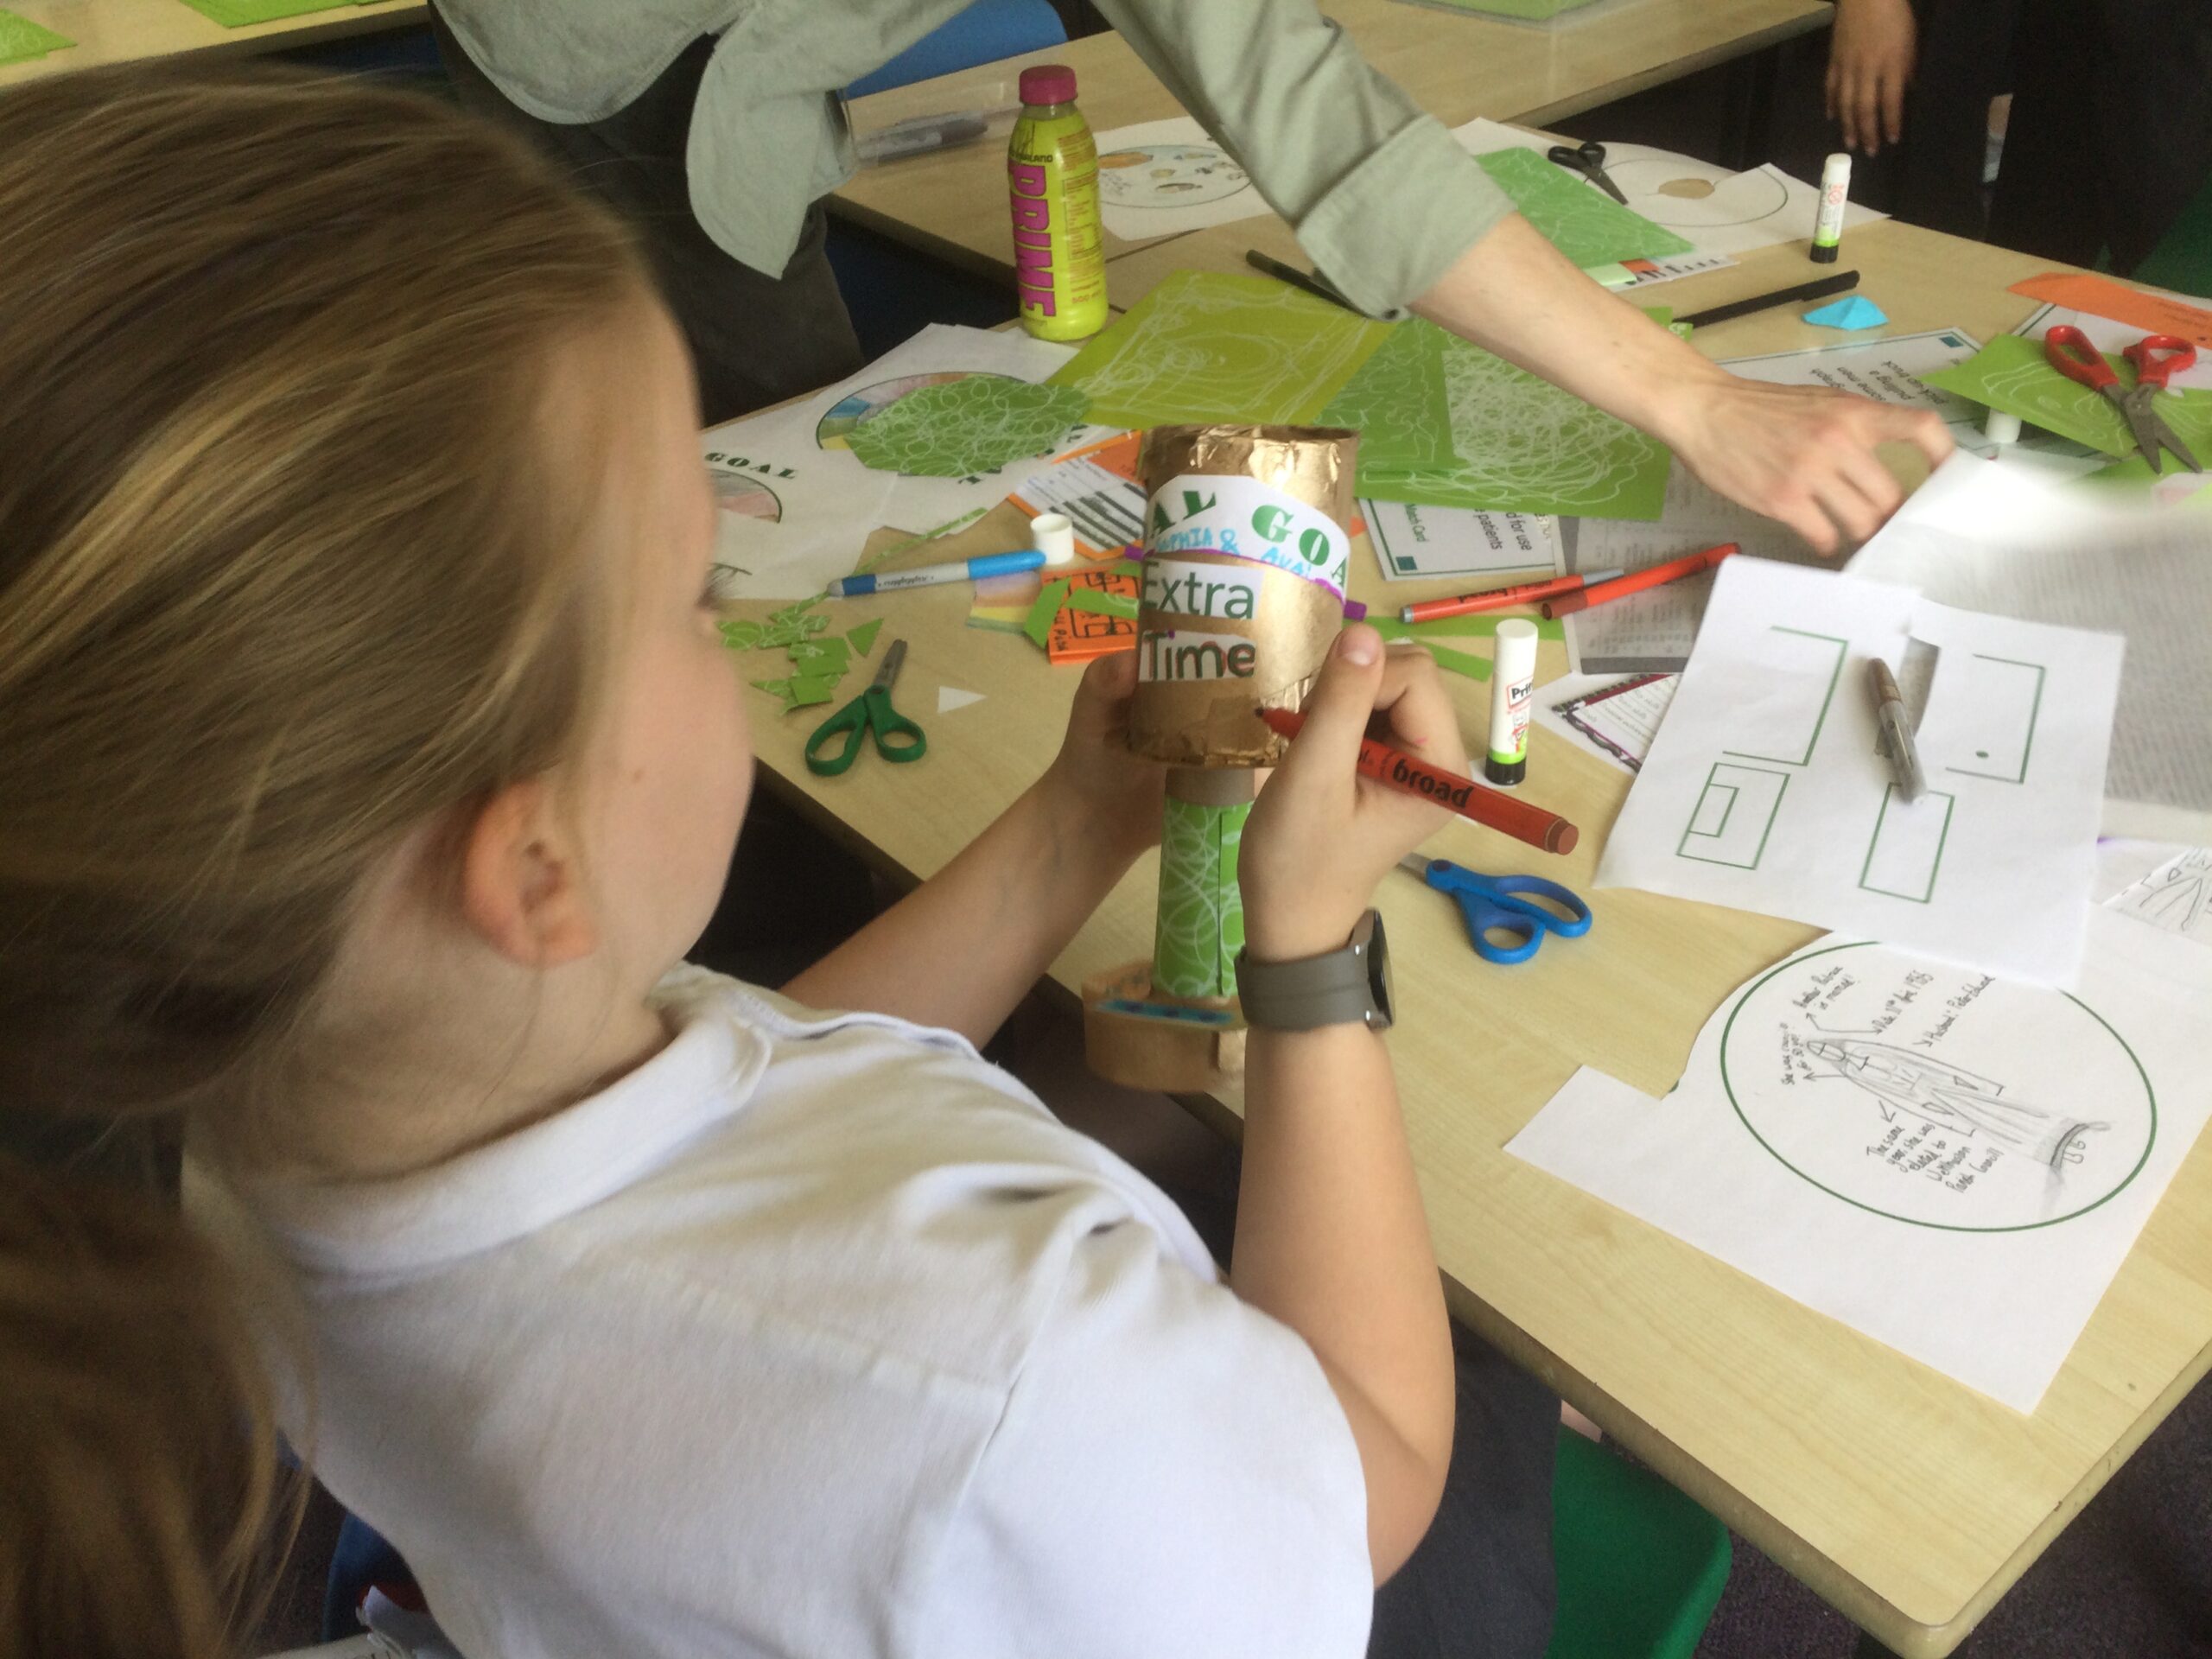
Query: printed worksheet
1953, 1163
1160, 178
1412, 543
1766, 788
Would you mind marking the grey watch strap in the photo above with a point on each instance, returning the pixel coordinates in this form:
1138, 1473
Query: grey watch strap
1348, 986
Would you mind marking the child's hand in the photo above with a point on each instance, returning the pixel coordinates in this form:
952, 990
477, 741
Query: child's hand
1870, 65
1322, 836
1111, 795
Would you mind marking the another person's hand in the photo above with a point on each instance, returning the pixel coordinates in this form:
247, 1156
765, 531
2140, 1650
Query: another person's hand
1802, 455
1321, 836
1112, 796
1870, 64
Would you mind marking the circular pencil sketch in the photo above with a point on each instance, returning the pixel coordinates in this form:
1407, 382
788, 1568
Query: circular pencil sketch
1167, 176
745, 495
834, 429
1685, 196
1937, 1095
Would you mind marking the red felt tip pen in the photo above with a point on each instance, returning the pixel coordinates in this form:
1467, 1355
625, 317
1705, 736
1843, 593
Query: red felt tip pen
1498, 599
1521, 820
1621, 587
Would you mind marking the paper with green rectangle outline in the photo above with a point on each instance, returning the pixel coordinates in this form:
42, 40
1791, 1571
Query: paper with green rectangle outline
1443, 423
1828, 701
1586, 224
2035, 714
1200, 926
21, 40
2012, 374
1682, 847
1207, 346
1866, 865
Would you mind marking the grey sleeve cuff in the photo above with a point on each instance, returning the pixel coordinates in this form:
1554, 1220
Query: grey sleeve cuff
1388, 229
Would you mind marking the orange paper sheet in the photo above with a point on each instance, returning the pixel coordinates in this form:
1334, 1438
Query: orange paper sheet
1078, 636
2101, 296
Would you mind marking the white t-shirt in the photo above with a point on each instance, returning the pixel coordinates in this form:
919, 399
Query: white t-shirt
820, 1335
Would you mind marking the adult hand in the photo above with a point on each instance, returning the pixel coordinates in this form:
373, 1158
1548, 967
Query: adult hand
1870, 64
1802, 455
1106, 794
1321, 836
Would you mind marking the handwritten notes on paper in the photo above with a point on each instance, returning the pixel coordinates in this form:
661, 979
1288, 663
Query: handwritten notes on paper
1765, 789
1952, 1163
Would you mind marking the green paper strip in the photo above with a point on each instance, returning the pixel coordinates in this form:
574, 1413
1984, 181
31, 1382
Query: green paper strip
21, 40
1039, 627
1587, 225
1478, 625
1205, 345
2012, 374
1201, 919
1104, 602
1459, 662
862, 639
236, 13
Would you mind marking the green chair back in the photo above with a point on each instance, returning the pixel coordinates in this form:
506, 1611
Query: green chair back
1640, 1567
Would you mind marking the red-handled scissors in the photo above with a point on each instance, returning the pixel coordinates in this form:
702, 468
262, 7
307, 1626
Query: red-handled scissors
2156, 357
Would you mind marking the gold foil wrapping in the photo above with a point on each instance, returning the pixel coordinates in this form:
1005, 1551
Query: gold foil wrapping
1212, 722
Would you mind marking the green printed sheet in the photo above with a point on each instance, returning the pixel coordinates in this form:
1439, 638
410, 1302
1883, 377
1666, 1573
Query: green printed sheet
21, 40
236, 13
976, 424
2012, 374
1444, 424
1207, 346
1587, 225
1200, 926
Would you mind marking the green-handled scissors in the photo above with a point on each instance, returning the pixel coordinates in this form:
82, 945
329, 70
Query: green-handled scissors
871, 714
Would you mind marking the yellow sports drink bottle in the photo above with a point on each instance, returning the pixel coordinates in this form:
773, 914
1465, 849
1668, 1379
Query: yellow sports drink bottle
1052, 169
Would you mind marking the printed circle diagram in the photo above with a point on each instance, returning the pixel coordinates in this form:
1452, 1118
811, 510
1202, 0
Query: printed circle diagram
745, 495
834, 429
1167, 176
1934, 1095
1729, 199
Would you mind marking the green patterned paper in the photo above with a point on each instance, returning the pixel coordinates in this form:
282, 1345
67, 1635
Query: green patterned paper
960, 428
236, 13
1208, 346
2012, 374
1201, 923
1587, 225
1444, 424
21, 40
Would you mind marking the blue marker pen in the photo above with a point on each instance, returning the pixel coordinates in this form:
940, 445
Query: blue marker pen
931, 575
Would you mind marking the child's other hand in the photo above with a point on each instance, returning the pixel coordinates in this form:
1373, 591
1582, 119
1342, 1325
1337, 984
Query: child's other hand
1870, 65
1322, 836
1113, 795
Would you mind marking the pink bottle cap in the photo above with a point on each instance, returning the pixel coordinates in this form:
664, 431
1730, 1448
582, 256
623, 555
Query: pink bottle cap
1048, 83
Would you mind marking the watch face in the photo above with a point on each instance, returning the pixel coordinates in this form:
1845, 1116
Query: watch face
1375, 952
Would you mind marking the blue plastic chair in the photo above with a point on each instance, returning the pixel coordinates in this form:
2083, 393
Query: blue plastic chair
892, 291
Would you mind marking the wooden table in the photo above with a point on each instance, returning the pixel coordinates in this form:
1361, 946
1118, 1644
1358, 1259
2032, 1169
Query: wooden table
1909, 1502
125, 31
951, 204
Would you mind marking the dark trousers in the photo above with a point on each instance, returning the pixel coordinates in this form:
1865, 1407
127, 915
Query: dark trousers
1480, 1586
2111, 133
757, 339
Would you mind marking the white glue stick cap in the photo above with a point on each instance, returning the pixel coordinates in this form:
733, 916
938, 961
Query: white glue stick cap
1054, 537
2001, 428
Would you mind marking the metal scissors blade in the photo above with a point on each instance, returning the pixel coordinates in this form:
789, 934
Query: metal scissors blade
1589, 160
2156, 358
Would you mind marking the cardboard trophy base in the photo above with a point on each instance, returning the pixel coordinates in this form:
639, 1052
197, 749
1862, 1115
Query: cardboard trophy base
1151, 1040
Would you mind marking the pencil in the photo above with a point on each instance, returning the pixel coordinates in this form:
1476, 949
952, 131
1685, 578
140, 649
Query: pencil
1522, 820
1621, 587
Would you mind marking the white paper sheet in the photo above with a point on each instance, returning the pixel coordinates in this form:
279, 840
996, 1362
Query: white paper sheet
1888, 371
1613, 719
1161, 177
1412, 543
2175, 898
1994, 539
797, 504
1765, 789
1954, 1164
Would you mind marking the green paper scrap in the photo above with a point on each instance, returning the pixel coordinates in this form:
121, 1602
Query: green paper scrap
742, 635
1479, 625
1039, 627
1444, 424
810, 688
1459, 662
790, 624
2012, 374
822, 655
236, 13
1587, 225
1201, 918
1206, 345
862, 639
21, 40
959, 428
1104, 602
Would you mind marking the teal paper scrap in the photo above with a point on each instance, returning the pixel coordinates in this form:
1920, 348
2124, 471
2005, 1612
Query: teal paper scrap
1854, 311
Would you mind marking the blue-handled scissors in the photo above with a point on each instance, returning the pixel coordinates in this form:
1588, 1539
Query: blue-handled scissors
1504, 904
869, 714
